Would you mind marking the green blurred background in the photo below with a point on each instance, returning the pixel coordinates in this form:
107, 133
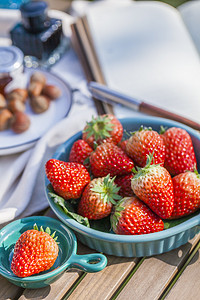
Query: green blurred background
175, 2
64, 5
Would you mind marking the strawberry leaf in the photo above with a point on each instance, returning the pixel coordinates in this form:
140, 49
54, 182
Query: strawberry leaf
171, 223
68, 209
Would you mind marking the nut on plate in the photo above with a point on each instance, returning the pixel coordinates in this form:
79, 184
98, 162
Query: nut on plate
35, 88
16, 105
39, 104
51, 91
21, 122
38, 77
37, 82
18, 93
2, 101
6, 118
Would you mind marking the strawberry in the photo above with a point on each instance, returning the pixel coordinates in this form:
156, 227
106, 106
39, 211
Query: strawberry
132, 216
98, 198
80, 153
103, 128
153, 185
180, 156
143, 142
108, 158
35, 251
122, 145
124, 182
67, 178
186, 194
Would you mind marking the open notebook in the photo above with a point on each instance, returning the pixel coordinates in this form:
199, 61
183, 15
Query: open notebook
145, 49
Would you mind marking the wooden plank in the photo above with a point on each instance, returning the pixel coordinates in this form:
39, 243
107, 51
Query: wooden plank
102, 285
8, 290
54, 292
155, 273
187, 286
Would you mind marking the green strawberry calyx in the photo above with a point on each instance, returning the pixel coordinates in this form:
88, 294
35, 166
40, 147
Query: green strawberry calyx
99, 127
162, 129
195, 171
116, 214
47, 230
107, 189
142, 128
148, 167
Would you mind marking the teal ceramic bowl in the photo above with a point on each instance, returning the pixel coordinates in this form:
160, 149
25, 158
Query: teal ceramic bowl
135, 245
67, 257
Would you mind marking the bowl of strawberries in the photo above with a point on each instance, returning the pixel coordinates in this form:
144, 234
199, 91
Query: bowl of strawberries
128, 187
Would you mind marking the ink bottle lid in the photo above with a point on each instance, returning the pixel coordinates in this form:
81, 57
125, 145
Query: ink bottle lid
34, 16
11, 65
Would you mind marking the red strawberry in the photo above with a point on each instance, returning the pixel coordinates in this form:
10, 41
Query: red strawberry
124, 182
143, 142
153, 185
180, 156
80, 151
186, 194
122, 145
108, 158
132, 216
103, 128
67, 178
35, 251
98, 198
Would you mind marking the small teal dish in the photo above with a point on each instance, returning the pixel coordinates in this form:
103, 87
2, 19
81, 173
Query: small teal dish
67, 257
135, 245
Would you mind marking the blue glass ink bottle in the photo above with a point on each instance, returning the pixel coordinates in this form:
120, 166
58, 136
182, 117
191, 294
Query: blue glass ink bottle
37, 35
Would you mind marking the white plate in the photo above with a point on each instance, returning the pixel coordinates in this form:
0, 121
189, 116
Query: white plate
11, 142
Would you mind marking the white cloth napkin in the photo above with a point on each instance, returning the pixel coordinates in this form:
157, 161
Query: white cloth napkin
22, 174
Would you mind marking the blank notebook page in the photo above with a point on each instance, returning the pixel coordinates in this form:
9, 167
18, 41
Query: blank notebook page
145, 51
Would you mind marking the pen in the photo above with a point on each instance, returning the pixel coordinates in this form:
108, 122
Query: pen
105, 94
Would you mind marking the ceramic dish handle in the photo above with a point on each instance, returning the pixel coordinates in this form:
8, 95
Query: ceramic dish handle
90, 263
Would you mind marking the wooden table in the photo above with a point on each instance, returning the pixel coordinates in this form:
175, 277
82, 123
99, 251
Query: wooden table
173, 275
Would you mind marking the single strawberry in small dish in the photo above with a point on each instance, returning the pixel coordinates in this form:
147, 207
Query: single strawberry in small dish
98, 198
143, 142
103, 128
108, 158
186, 193
67, 178
153, 185
180, 156
35, 251
132, 216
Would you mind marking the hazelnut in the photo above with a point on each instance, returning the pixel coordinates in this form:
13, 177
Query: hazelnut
39, 104
38, 77
21, 93
21, 122
51, 91
2, 101
12, 96
5, 119
16, 105
35, 88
